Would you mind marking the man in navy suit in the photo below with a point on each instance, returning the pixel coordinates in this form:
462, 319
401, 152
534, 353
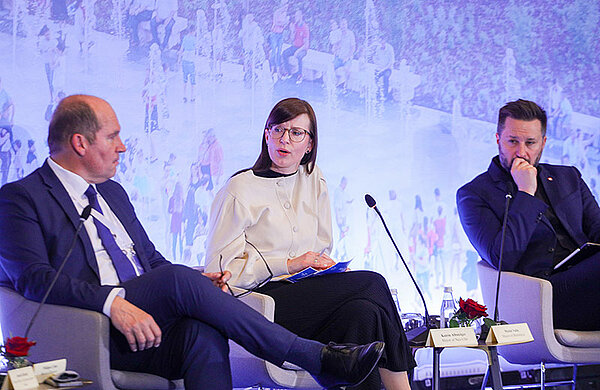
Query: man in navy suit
166, 319
551, 214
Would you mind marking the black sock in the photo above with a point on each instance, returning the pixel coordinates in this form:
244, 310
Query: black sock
306, 354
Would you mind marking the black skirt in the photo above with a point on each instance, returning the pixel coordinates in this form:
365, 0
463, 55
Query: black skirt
348, 307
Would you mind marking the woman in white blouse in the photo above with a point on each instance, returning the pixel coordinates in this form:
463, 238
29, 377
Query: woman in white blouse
273, 220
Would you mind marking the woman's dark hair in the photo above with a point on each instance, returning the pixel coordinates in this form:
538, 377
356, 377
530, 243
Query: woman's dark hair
285, 110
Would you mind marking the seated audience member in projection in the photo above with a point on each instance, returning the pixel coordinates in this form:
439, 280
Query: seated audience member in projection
300, 44
274, 219
167, 319
551, 214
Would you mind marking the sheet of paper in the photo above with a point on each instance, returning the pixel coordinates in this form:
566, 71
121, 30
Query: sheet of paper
452, 337
311, 272
21, 379
509, 334
45, 369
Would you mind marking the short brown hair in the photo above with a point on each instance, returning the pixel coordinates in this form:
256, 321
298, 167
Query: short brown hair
73, 115
524, 110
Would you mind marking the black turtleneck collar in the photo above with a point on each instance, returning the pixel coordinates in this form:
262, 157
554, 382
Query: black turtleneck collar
271, 174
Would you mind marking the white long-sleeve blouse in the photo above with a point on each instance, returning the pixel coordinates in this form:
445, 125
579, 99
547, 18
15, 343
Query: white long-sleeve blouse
284, 217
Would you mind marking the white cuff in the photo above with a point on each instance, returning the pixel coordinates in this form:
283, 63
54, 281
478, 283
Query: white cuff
117, 291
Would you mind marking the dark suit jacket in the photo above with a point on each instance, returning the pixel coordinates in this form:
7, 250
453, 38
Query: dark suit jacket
530, 239
37, 224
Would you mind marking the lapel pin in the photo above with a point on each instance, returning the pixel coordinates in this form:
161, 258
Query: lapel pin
550, 178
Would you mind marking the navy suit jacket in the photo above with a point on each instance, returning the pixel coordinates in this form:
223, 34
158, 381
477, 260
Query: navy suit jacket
530, 239
37, 224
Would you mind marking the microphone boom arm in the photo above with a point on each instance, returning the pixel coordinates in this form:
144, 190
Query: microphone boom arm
84, 215
405, 265
504, 223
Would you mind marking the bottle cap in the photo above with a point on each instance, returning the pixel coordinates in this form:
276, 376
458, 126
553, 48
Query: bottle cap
447, 289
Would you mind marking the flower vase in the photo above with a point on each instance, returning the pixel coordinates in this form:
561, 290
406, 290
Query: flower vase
476, 325
17, 362
3, 369
14, 352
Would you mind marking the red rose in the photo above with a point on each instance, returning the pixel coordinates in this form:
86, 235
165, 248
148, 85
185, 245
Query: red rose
473, 309
18, 346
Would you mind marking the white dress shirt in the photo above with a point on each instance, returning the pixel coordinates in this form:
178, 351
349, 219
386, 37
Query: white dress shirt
76, 187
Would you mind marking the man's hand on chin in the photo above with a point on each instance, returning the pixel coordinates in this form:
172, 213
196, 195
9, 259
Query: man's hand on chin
524, 175
139, 327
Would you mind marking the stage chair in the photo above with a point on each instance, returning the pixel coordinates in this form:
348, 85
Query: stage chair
250, 371
64, 332
527, 299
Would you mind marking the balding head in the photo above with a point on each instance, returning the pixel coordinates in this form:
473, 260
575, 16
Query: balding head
76, 114
84, 138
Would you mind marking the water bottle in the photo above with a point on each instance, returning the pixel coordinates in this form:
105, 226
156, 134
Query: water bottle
448, 307
394, 293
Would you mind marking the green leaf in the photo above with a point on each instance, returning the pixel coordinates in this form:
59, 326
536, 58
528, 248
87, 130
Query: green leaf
453, 323
489, 322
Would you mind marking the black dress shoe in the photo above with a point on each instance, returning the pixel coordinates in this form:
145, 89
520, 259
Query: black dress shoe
347, 364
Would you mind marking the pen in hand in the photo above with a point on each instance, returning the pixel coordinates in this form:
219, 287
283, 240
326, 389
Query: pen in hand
321, 253
321, 262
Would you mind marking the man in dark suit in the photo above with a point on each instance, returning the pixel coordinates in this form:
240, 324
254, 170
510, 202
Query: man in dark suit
166, 319
552, 213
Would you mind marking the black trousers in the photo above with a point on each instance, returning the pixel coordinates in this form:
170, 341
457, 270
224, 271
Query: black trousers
197, 320
576, 296
348, 307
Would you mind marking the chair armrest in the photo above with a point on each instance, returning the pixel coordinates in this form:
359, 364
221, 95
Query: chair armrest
527, 299
522, 298
262, 303
249, 370
81, 336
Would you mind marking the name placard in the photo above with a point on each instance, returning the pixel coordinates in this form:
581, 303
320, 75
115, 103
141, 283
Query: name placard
451, 337
45, 369
20, 379
509, 334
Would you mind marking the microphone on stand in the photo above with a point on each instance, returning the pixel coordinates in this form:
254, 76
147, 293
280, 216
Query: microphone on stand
509, 196
416, 336
494, 366
85, 214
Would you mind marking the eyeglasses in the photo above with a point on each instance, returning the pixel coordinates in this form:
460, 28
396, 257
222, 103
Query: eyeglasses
259, 285
296, 134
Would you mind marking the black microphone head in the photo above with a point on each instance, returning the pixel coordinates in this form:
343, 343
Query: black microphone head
370, 201
85, 214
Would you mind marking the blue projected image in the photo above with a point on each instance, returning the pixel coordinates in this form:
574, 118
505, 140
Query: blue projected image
406, 95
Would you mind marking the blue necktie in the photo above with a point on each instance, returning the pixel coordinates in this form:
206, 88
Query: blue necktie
123, 266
